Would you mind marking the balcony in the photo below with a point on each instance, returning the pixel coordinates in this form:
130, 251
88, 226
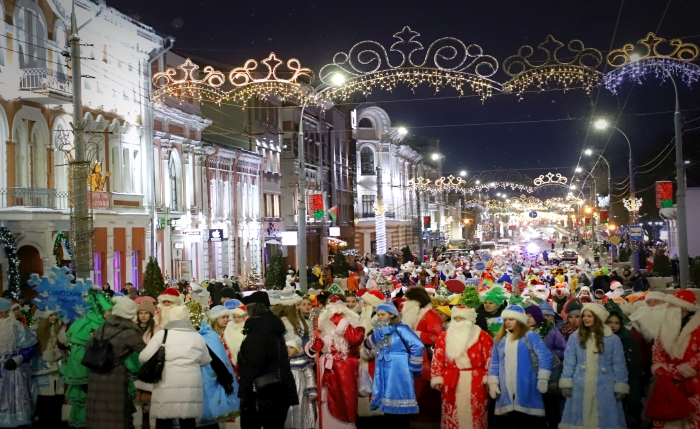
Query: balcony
46, 86
34, 198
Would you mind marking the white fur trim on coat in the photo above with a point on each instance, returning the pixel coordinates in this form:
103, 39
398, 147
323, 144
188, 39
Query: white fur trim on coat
681, 303
411, 318
622, 388
566, 383
676, 346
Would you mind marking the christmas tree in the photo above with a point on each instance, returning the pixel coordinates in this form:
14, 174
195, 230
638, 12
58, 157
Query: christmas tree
253, 280
153, 283
276, 275
662, 266
341, 268
470, 297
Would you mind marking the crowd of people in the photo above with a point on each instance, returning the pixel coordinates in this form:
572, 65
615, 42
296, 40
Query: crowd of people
472, 342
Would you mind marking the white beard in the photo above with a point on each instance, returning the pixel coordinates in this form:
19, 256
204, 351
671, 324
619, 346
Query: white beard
233, 335
7, 335
459, 338
649, 320
164, 316
670, 328
409, 314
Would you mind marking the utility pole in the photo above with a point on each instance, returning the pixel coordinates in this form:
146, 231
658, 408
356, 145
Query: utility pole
301, 210
682, 221
81, 228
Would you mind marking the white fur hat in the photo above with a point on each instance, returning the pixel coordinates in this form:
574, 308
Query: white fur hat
125, 308
598, 310
655, 294
467, 313
684, 299
218, 311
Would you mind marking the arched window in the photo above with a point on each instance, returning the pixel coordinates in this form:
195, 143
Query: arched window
367, 161
175, 186
365, 123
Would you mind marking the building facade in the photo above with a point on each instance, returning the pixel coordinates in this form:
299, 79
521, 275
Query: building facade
35, 128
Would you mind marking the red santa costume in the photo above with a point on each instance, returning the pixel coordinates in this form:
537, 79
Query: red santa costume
339, 339
426, 323
172, 296
460, 365
676, 354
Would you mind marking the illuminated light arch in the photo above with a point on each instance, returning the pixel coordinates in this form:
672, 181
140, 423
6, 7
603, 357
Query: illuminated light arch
550, 179
447, 63
632, 62
580, 72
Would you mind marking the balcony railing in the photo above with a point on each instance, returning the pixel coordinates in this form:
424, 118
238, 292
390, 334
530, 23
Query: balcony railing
33, 197
44, 78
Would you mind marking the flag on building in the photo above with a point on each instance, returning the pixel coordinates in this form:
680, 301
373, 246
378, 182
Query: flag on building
333, 212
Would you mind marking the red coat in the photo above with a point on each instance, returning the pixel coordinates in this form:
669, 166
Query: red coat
429, 328
462, 382
339, 377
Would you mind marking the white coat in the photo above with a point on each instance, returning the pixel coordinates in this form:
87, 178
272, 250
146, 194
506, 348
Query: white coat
179, 393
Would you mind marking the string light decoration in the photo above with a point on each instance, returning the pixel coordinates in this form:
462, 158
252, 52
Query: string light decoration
421, 185
316, 205
652, 55
380, 227
549, 179
208, 88
632, 204
580, 72
448, 228
447, 63
61, 239
493, 185
450, 184
7, 241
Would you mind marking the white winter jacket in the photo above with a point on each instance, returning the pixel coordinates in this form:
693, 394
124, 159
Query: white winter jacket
179, 394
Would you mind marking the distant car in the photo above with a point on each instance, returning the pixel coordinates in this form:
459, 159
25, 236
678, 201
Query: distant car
488, 245
568, 256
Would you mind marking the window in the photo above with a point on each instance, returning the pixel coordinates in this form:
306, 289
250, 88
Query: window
117, 264
174, 186
97, 268
365, 123
135, 268
367, 161
368, 206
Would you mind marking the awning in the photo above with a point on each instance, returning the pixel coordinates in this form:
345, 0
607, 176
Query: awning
273, 242
338, 241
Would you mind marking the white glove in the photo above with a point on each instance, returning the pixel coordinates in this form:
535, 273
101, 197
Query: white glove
542, 385
494, 391
567, 392
686, 370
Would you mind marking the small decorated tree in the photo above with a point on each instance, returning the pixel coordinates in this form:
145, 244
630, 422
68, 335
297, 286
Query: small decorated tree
470, 297
253, 280
276, 276
153, 283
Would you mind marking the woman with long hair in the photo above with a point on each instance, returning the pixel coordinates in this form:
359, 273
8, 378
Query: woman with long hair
515, 381
293, 321
145, 319
594, 378
45, 369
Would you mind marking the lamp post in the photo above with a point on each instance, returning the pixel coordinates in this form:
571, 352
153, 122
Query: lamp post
681, 221
589, 152
602, 124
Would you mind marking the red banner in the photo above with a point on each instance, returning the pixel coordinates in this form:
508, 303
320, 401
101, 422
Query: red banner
603, 215
664, 191
99, 200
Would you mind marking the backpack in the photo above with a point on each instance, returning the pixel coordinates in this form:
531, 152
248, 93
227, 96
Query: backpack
99, 354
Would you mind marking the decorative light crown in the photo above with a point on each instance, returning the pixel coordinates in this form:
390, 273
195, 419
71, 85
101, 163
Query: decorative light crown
579, 72
550, 179
632, 204
653, 55
447, 63
450, 184
477, 187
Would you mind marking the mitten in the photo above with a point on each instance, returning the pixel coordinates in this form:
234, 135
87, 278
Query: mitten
542, 385
494, 391
336, 318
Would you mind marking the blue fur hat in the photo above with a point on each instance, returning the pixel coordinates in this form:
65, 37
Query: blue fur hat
389, 308
515, 312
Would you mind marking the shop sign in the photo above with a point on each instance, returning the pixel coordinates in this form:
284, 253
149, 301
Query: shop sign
192, 233
216, 235
334, 231
99, 200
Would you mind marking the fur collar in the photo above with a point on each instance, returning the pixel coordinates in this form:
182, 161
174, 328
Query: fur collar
326, 326
179, 325
674, 341
121, 323
412, 313
607, 332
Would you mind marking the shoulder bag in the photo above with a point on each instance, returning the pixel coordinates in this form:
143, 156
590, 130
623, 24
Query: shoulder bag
557, 367
99, 354
271, 377
152, 370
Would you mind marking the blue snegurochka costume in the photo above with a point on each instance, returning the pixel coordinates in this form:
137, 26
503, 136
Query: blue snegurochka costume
398, 359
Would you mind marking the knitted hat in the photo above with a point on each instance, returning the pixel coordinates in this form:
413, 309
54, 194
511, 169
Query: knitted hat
172, 295
180, 312
467, 313
573, 308
374, 298
684, 299
389, 308
547, 309
497, 295
124, 308
141, 299
444, 309
227, 292
218, 311
536, 313
515, 312
5, 304
146, 305
598, 310
654, 294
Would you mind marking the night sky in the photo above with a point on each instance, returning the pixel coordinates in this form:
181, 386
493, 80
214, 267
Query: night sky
544, 131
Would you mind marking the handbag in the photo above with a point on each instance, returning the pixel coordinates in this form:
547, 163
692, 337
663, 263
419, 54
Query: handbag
152, 370
99, 354
557, 367
271, 377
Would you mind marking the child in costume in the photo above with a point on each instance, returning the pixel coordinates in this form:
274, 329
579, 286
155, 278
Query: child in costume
494, 302
302, 416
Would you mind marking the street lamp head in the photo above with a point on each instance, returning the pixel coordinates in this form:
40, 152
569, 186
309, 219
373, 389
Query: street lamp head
572, 187
588, 152
588, 210
611, 227
635, 57
498, 194
478, 182
435, 156
579, 169
601, 124
463, 173
402, 131
338, 79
